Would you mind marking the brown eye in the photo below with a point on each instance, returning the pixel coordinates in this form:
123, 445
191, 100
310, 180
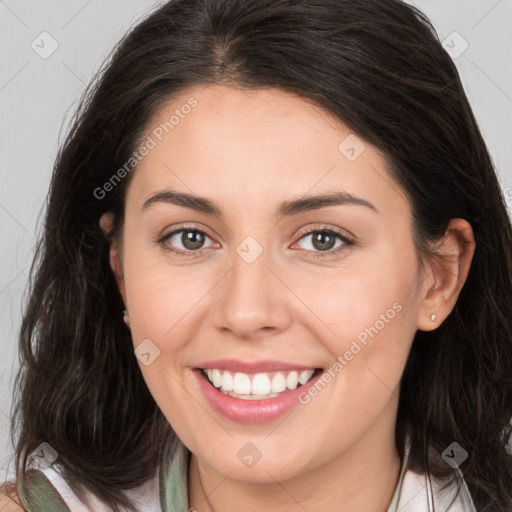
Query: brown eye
323, 241
192, 240
185, 240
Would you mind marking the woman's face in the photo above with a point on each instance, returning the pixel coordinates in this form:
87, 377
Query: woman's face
280, 281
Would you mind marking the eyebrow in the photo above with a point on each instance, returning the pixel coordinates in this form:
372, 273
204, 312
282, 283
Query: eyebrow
286, 209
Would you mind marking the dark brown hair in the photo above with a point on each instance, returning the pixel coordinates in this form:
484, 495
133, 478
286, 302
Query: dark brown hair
379, 67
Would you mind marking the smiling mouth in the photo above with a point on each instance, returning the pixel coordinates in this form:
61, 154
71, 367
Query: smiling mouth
257, 386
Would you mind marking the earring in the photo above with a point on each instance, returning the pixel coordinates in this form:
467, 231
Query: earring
126, 318
433, 317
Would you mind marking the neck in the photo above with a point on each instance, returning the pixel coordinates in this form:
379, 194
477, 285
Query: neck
364, 479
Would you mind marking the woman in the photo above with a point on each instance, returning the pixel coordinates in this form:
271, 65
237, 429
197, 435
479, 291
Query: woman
275, 275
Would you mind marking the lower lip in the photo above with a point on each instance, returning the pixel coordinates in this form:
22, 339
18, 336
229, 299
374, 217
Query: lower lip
252, 411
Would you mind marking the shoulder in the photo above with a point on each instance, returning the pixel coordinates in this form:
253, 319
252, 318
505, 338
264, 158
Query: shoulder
36, 493
9, 500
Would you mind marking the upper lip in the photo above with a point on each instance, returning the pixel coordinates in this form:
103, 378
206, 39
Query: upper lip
267, 365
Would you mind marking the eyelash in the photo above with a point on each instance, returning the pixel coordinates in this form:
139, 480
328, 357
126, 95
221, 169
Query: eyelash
347, 242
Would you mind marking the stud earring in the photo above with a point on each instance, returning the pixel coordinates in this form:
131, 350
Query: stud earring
126, 318
433, 317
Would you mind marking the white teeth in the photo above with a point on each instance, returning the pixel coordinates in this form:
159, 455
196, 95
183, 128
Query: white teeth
227, 382
292, 380
305, 376
242, 384
216, 378
278, 383
262, 385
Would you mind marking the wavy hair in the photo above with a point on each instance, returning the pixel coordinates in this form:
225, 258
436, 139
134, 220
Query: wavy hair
377, 65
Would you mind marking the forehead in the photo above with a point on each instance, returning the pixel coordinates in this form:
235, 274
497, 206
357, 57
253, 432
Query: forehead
258, 145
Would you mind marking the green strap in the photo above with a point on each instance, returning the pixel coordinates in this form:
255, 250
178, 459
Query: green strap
173, 480
38, 494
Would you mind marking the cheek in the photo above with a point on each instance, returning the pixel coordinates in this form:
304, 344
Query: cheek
162, 300
368, 332
369, 339
161, 297
359, 301
365, 316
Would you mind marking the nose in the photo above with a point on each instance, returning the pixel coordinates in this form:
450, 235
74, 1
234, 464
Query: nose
252, 300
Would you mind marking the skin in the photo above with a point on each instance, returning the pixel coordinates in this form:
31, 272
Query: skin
248, 151
9, 502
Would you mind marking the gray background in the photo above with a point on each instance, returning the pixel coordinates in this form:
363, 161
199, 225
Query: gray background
37, 97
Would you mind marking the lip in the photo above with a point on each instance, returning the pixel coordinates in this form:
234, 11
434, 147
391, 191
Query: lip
252, 411
268, 365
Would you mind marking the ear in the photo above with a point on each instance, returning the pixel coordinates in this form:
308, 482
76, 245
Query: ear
106, 223
446, 274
